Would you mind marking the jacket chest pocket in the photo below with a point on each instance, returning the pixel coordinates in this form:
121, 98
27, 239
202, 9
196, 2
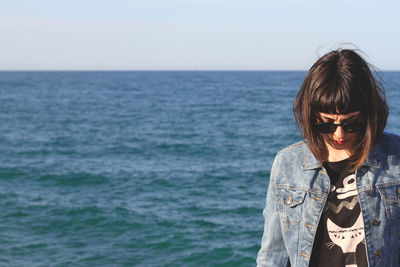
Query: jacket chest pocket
290, 204
391, 199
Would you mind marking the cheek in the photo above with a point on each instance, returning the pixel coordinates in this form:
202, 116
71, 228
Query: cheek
353, 136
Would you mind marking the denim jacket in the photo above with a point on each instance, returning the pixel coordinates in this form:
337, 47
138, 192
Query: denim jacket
297, 193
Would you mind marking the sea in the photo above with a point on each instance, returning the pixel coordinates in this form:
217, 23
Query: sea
143, 168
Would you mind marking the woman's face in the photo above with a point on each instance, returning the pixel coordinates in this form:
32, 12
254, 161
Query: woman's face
340, 141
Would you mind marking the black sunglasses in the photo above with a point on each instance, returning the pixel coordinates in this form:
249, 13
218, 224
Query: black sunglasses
330, 127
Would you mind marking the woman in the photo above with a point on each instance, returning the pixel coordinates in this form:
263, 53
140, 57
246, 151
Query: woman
334, 199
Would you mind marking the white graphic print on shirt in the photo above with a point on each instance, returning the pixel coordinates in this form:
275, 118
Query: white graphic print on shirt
346, 238
349, 187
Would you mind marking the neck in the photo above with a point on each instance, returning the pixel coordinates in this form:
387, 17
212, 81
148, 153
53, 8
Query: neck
338, 155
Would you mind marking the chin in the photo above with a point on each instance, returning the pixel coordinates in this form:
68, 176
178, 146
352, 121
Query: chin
344, 146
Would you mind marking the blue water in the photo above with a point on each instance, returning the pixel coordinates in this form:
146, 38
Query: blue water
142, 168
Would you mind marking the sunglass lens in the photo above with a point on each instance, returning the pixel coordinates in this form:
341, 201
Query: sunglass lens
353, 127
327, 127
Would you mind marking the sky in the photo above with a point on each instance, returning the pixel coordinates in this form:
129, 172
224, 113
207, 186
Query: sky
193, 34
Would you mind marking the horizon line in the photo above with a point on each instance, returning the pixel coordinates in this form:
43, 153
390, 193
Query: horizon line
162, 70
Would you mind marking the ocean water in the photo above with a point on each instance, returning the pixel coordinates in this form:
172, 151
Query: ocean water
142, 168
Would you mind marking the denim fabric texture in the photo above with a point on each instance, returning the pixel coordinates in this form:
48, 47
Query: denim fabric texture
298, 191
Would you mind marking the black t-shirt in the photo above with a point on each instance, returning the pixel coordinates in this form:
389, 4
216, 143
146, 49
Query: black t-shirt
339, 240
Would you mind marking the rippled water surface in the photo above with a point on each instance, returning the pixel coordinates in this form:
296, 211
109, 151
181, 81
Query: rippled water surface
142, 168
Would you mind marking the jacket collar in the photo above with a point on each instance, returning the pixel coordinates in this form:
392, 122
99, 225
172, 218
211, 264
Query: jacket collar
373, 160
310, 162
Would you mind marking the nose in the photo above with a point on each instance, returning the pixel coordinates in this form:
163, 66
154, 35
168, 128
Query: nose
339, 133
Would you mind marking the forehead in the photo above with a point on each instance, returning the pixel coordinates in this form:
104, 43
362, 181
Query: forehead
339, 117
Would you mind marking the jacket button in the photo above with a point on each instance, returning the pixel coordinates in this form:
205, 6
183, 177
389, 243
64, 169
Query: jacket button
378, 253
290, 200
374, 222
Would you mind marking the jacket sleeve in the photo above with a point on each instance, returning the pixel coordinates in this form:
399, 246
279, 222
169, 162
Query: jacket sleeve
273, 251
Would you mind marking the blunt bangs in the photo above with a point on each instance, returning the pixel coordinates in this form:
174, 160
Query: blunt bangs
336, 100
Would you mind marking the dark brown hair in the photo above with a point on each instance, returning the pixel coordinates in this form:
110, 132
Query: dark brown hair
341, 82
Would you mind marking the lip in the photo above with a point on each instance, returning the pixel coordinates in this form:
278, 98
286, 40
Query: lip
339, 142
